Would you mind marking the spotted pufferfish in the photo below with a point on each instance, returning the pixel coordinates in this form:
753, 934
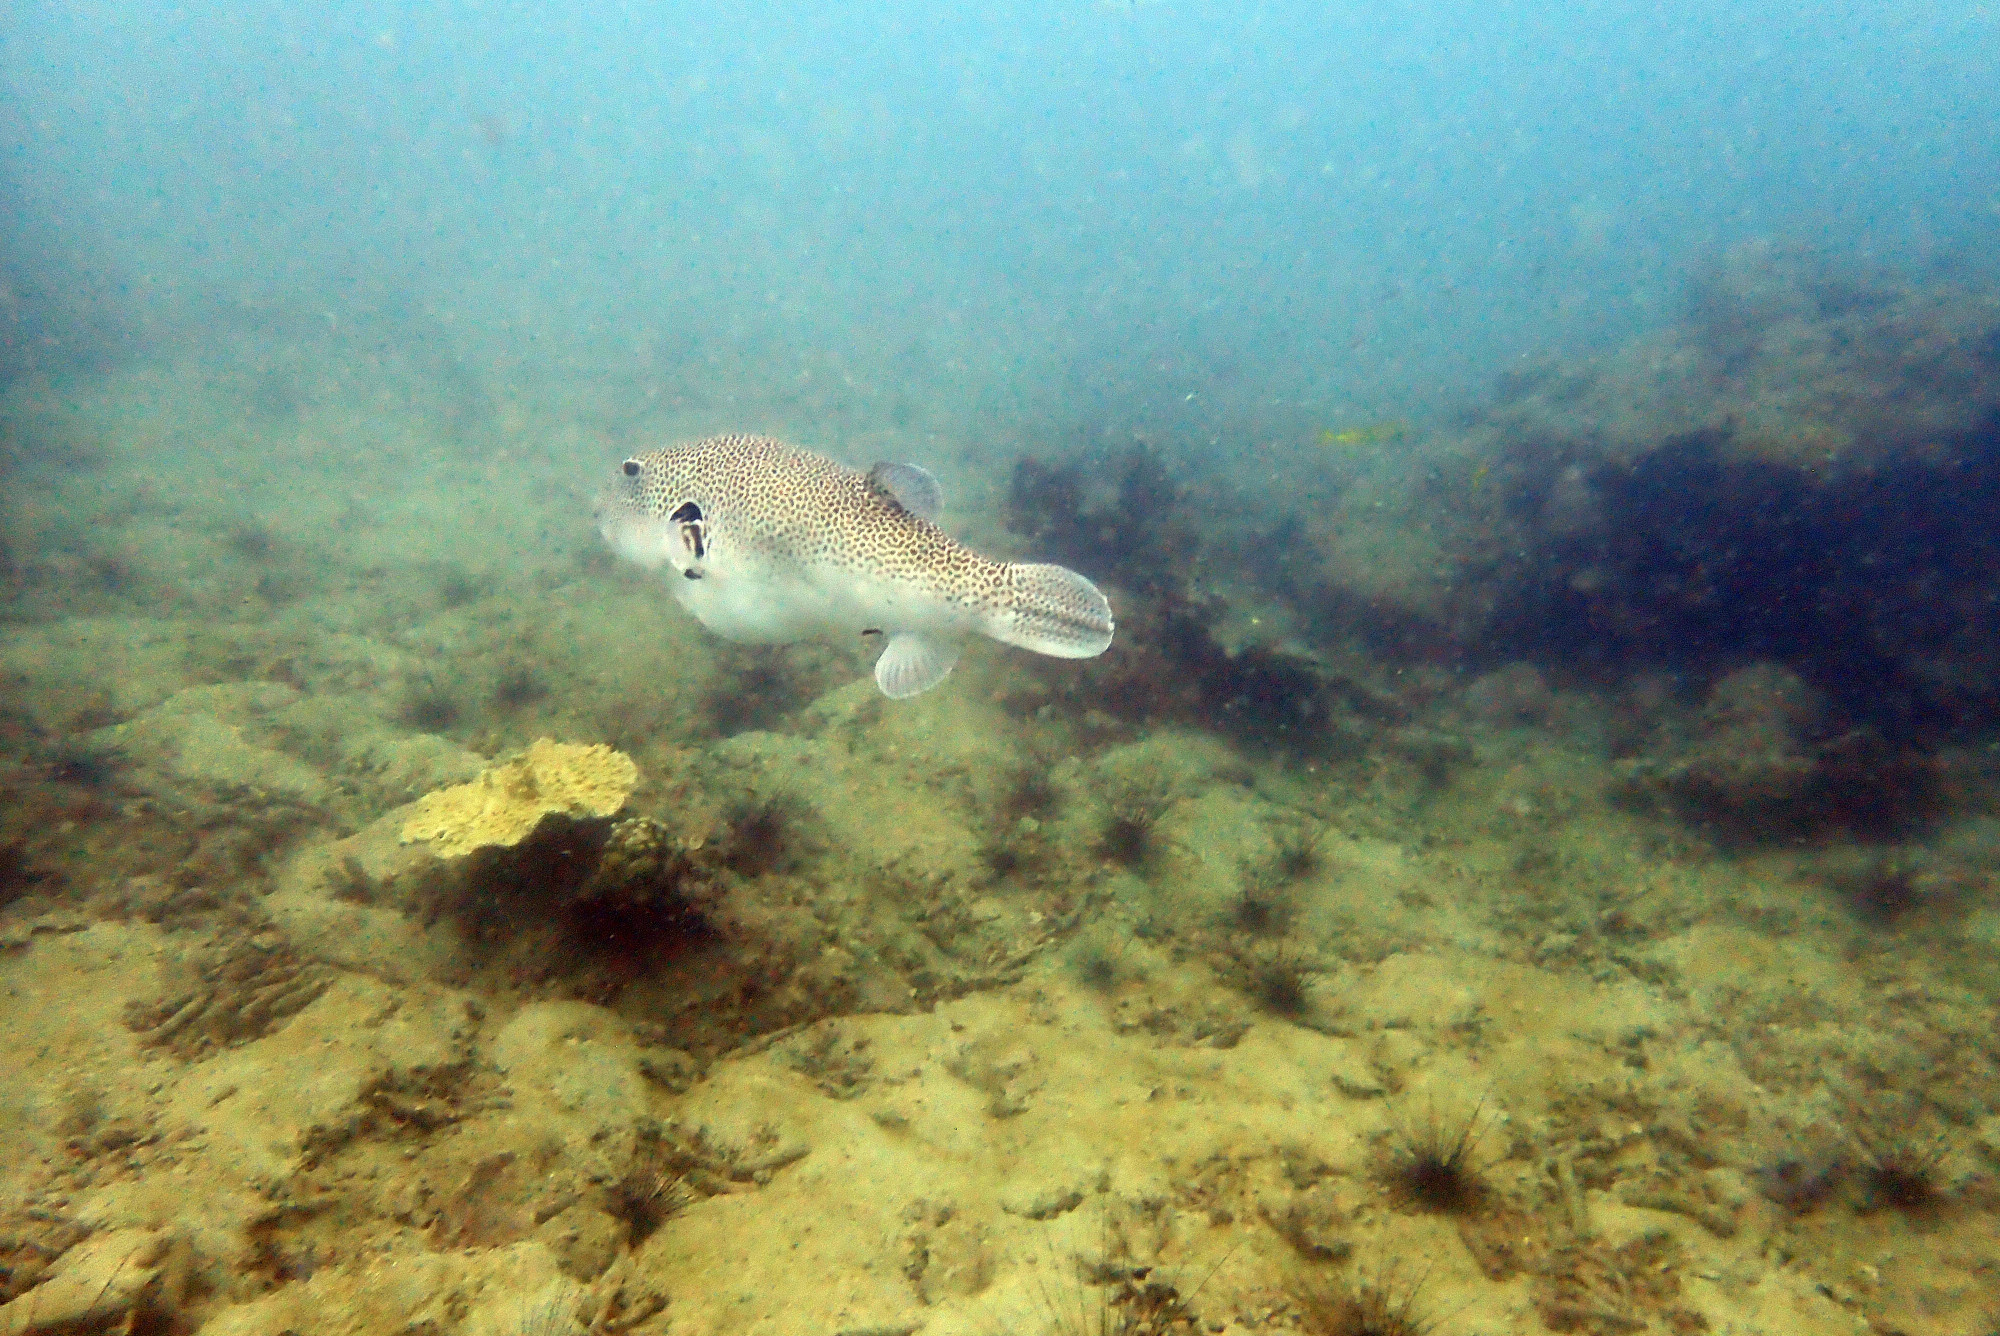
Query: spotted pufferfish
768, 543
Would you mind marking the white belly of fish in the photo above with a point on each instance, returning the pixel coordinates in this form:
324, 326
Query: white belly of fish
769, 604
774, 603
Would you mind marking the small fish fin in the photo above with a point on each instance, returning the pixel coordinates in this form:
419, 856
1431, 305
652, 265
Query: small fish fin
912, 663
1052, 610
911, 487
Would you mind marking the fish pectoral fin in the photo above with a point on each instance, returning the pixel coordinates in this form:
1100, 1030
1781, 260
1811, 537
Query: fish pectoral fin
913, 662
911, 487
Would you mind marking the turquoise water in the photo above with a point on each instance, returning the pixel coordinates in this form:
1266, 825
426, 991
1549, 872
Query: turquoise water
1524, 864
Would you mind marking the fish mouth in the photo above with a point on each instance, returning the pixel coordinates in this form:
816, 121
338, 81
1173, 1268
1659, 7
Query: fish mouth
639, 538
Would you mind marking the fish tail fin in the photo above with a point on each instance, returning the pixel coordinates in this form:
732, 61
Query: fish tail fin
1051, 610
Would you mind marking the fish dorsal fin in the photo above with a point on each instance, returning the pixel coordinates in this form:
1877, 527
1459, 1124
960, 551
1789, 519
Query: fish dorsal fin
911, 487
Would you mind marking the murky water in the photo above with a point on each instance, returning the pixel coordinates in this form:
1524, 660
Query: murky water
1525, 863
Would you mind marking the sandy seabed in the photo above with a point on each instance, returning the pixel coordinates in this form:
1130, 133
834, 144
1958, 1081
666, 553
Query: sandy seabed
993, 1019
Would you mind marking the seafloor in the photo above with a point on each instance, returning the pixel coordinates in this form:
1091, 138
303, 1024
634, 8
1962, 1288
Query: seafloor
1409, 922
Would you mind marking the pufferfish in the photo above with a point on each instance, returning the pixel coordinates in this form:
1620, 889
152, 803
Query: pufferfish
768, 543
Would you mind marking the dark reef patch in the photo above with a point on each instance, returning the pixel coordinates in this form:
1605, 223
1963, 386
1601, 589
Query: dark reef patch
457, 586
1875, 586
1803, 470
83, 768
251, 540
1015, 839
1856, 785
1881, 894
1800, 1183
587, 902
16, 875
1143, 539
766, 834
1167, 664
1030, 793
518, 687
428, 706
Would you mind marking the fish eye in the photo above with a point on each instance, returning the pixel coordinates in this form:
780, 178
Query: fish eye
631, 468
687, 513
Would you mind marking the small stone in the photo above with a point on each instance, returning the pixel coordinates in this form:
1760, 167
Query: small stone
1353, 1076
92, 1284
1042, 1201
1988, 1134
1310, 1221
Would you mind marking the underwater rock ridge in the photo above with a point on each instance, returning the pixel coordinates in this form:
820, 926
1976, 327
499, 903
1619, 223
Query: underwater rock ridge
1869, 585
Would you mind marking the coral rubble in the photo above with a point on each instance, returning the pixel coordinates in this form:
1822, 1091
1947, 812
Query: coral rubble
505, 803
